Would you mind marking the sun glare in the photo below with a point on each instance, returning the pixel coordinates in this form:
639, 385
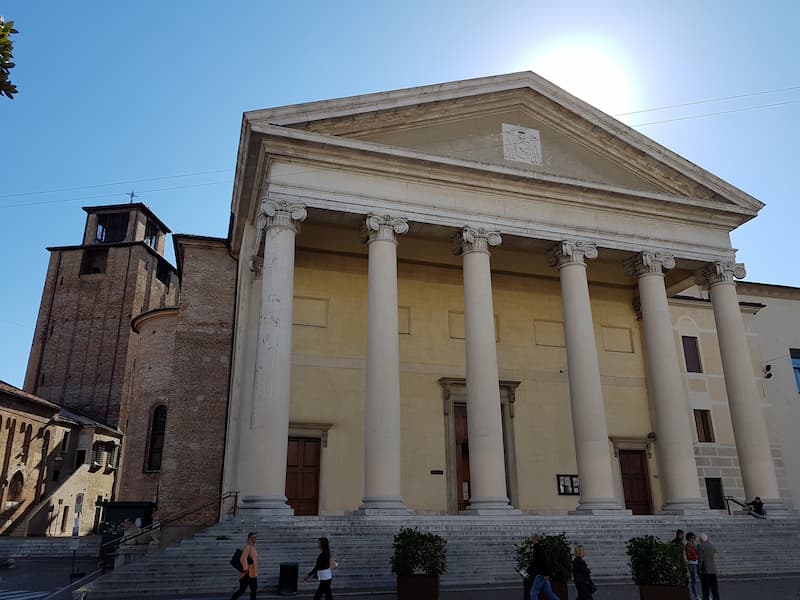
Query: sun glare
592, 71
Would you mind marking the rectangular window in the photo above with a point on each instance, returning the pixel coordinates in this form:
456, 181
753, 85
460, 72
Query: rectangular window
100, 455
80, 458
795, 354
705, 431
94, 261
716, 498
568, 485
56, 475
151, 234
65, 519
163, 272
112, 227
65, 443
691, 353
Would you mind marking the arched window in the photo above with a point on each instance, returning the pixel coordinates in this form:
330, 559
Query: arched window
155, 446
15, 488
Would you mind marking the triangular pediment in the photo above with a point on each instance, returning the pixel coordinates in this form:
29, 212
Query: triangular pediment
518, 121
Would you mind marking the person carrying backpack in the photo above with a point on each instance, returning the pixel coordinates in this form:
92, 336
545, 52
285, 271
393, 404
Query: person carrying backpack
247, 567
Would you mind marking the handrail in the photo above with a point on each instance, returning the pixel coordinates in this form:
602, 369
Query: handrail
729, 499
172, 518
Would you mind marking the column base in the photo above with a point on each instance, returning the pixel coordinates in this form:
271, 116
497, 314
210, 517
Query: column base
376, 506
602, 507
685, 506
493, 507
266, 506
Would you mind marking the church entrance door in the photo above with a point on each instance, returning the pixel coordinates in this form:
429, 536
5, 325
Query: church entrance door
635, 485
302, 475
462, 457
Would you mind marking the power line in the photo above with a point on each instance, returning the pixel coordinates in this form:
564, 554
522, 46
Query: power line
83, 198
714, 114
695, 103
100, 185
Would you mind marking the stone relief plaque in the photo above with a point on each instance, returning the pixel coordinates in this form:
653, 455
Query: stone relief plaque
521, 144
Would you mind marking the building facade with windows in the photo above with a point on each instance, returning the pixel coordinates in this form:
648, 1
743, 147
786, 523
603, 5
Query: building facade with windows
475, 296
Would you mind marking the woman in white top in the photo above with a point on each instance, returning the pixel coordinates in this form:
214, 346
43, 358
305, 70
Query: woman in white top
322, 570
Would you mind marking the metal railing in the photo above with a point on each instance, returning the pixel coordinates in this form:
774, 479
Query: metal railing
729, 499
110, 547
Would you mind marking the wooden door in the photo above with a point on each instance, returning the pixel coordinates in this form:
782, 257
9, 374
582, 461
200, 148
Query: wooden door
635, 483
463, 486
302, 475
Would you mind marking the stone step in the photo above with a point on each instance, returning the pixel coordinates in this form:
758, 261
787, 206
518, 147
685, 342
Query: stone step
480, 550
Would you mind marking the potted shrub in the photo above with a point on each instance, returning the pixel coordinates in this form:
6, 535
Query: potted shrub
658, 568
418, 560
558, 551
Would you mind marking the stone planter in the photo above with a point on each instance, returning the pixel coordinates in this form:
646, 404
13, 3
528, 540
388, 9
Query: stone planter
559, 589
417, 587
663, 592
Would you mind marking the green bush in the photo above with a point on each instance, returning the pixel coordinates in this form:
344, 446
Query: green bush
654, 562
557, 549
416, 552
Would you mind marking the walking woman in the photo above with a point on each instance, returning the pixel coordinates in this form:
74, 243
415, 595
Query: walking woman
249, 574
582, 575
322, 570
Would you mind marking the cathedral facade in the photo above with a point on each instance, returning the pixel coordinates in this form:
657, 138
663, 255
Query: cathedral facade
484, 296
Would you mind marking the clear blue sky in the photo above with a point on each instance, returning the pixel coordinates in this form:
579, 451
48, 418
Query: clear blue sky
137, 91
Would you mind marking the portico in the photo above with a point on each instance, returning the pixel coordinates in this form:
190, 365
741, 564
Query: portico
552, 246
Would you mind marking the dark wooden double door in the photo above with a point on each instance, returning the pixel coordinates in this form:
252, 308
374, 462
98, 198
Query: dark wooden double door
302, 475
635, 482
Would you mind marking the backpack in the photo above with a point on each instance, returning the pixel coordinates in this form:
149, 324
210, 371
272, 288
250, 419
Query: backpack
236, 560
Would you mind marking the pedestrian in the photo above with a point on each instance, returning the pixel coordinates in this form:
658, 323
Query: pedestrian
322, 570
756, 508
690, 550
539, 571
249, 573
678, 541
707, 566
582, 575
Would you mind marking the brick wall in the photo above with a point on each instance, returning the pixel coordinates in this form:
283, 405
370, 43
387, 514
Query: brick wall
193, 454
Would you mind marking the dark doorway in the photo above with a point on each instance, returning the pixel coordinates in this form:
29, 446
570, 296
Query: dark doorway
462, 457
716, 497
635, 484
302, 475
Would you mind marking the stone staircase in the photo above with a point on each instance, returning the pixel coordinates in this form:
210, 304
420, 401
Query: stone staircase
479, 550
48, 547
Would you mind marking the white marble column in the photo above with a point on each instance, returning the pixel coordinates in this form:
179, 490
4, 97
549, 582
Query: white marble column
484, 418
585, 388
747, 415
262, 455
674, 443
382, 463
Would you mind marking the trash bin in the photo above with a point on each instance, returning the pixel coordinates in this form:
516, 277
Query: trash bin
287, 579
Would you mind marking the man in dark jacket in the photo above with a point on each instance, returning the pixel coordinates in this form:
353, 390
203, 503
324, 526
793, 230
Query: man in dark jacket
539, 571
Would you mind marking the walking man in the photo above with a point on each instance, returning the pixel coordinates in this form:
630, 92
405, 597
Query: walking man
707, 565
249, 575
539, 571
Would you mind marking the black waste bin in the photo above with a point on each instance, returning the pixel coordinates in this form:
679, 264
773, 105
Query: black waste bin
287, 579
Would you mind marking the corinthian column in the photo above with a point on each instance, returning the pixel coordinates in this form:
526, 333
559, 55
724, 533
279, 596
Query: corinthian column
675, 447
749, 426
262, 455
382, 481
585, 387
484, 419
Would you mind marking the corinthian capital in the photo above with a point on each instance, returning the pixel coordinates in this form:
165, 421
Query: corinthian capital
383, 228
570, 252
280, 213
720, 271
471, 239
648, 263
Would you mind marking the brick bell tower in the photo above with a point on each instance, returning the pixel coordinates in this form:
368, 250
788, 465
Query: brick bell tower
82, 349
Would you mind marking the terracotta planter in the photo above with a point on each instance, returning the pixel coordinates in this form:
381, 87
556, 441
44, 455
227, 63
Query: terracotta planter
417, 587
663, 592
559, 589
